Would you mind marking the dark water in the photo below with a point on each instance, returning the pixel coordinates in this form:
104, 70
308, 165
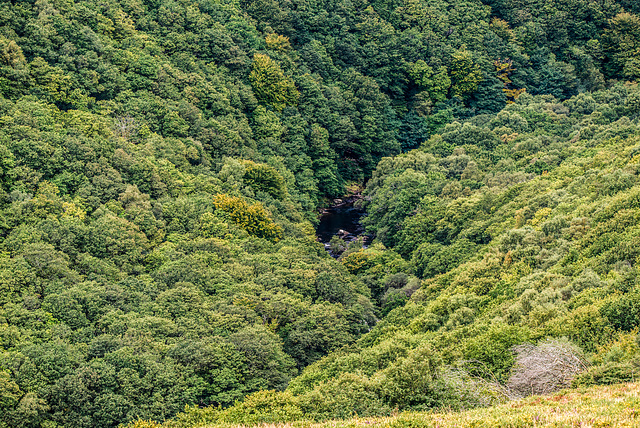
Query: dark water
342, 220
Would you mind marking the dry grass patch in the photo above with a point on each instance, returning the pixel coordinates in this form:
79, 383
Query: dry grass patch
602, 406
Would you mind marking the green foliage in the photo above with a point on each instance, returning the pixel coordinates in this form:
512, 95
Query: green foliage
345, 396
436, 83
505, 256
615, 362
136, 277
411, 382
613, 404
465, 74
623, 313
263, 407
264, 178
270, 84
621, 45
161, 163
431, 259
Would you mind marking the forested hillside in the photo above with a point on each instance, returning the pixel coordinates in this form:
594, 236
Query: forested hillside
161, 163
509, 229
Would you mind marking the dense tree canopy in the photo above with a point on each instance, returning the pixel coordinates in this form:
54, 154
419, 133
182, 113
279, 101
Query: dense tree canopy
161, 162
500, 230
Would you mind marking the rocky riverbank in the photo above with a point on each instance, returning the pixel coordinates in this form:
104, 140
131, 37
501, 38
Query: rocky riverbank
341, 220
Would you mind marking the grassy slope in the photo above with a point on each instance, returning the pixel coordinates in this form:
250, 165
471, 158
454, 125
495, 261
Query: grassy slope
601, 406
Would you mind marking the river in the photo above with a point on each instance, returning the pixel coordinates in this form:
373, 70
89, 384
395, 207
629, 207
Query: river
342, 219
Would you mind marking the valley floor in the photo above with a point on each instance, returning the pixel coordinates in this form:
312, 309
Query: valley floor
602, 406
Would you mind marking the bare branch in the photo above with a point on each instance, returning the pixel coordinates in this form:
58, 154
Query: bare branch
545, 368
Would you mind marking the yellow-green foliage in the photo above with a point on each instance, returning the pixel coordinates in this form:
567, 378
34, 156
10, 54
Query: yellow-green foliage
251, 217
263, 407
277, 42
465, 74
10, 53
616, 361
270, 84
603, 406
375, 260
144, 424
357, 262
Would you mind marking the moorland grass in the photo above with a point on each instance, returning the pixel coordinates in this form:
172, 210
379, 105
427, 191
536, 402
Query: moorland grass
600, 406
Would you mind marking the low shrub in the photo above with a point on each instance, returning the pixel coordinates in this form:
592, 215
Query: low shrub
545, 368
263, 407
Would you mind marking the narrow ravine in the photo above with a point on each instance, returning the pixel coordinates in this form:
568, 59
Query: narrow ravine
341, 219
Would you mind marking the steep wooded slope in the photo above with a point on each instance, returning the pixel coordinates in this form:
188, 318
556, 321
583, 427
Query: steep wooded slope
516, 228
160, 162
